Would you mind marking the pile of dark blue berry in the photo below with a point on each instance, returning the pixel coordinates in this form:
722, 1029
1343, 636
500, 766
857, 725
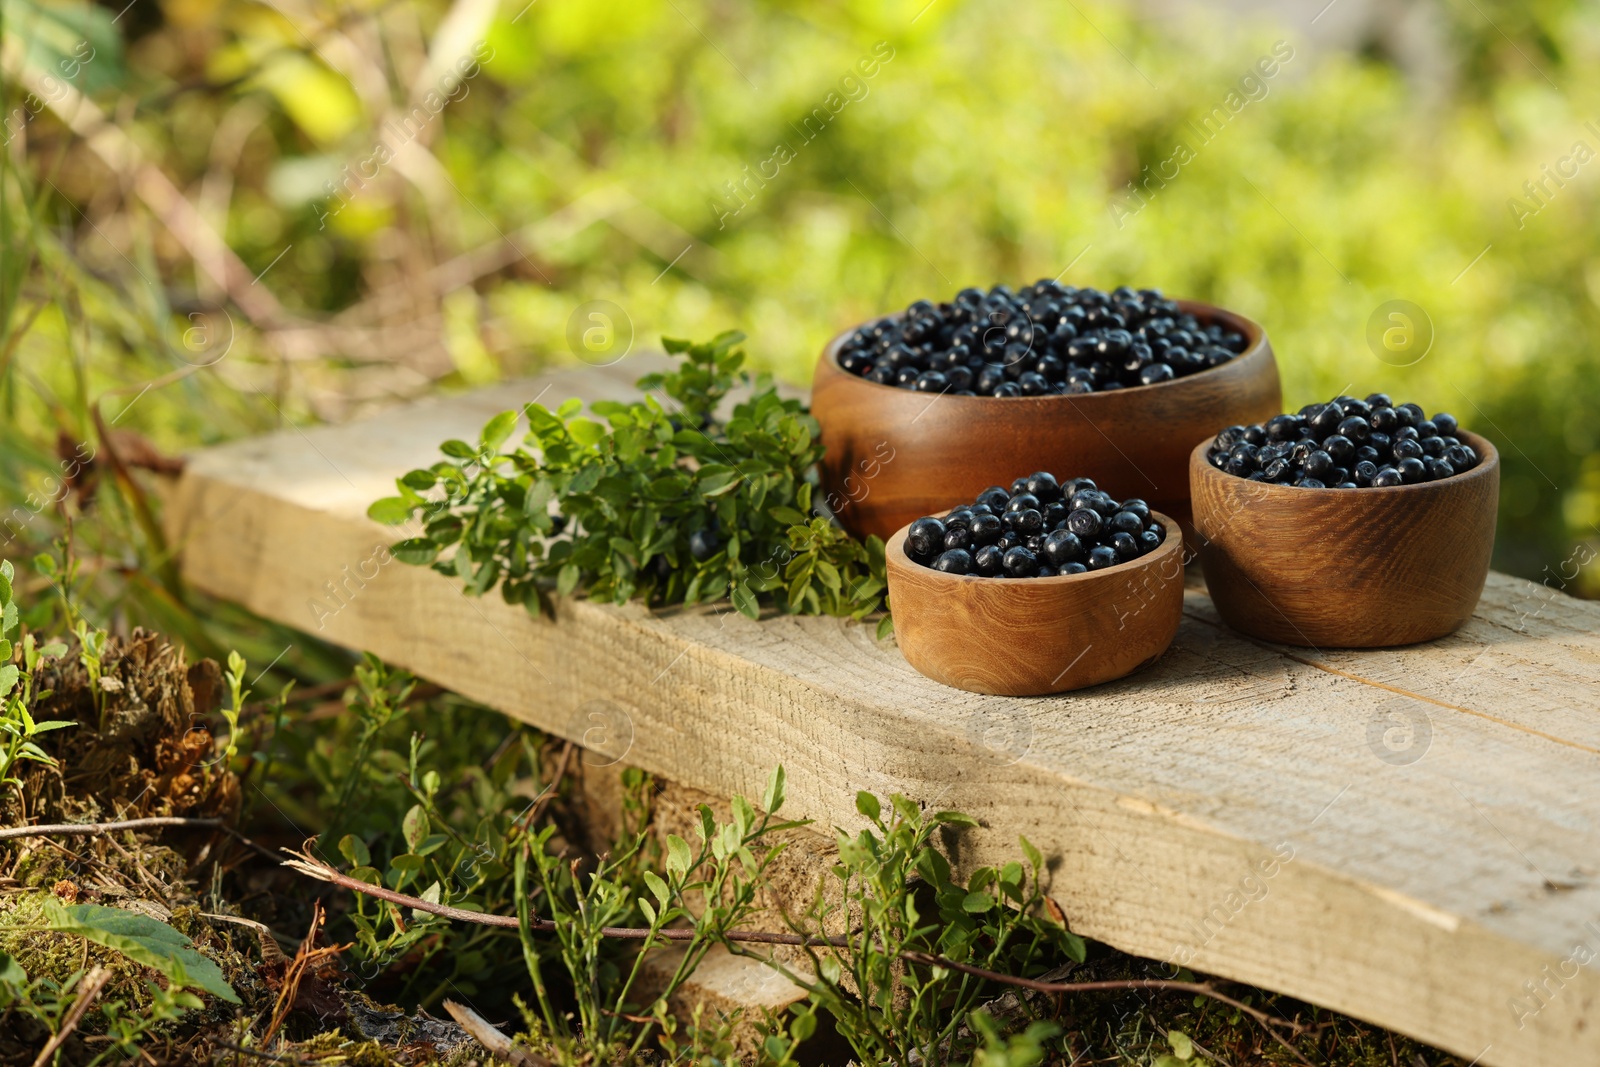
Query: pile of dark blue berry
1346, 444
1049, 338
1039, 529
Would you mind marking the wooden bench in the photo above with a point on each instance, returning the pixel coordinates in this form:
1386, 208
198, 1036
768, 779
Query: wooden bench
1410, 836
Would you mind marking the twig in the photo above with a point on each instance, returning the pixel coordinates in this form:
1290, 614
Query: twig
88, 992
307, 865
90, 829
484, 1033
70, 829
314, 868
1201, 988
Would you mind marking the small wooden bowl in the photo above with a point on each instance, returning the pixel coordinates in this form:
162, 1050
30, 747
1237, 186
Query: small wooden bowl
893, 455
1032, 636
1346, 568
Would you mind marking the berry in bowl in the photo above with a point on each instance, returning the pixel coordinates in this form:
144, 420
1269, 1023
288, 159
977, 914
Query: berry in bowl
1346, 444
1350, 524
943, 399
1040, 588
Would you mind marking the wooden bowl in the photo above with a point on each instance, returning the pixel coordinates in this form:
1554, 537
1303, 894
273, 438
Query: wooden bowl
894, 455
1032, 636
1346, 568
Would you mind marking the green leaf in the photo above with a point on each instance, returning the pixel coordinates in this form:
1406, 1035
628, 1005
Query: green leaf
567, 579
1182, 1046
658, 888
391, 510
678, 855
420, 480
744, 600
458, 449
8, 678
417, 551
52, 724
403, 868
977, 903
414, 826
772, 798
540, 493
868, 805
744, 816
587, 432
497, 429
143, 940
354, 849
953, 818
1034, 857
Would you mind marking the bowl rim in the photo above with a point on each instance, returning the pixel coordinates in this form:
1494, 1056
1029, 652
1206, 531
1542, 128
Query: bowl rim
1255, 337
896, 546
1481, 444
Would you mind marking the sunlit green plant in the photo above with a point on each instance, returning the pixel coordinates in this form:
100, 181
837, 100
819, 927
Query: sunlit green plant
707, 889
664, 500
17, 724
895, 893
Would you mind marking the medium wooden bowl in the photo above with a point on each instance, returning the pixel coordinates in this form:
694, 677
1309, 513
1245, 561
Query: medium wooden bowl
893, 455
1346, 568
1032, 636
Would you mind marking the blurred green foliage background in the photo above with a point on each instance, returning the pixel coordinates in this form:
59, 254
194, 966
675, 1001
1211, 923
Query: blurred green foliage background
220, 216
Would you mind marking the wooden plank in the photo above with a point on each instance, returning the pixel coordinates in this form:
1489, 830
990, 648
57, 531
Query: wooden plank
1410, 836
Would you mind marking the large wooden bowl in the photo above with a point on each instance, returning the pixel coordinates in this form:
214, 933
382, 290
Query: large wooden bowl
894, 455
1031, 636
1346, 568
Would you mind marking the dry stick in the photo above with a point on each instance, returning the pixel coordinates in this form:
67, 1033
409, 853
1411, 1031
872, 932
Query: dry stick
88, 991
307, 865
314, 868
69, 829
485, 1034
87, 829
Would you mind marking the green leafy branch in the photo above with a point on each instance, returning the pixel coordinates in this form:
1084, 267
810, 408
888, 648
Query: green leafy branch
924, 949
660, 501
721, 875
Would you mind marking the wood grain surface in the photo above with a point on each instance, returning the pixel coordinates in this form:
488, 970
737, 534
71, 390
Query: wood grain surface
1346, 568
894, 455
1033, 636
1408, 835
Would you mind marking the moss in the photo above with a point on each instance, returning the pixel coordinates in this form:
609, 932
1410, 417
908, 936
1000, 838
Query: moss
39, 868
56, 957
